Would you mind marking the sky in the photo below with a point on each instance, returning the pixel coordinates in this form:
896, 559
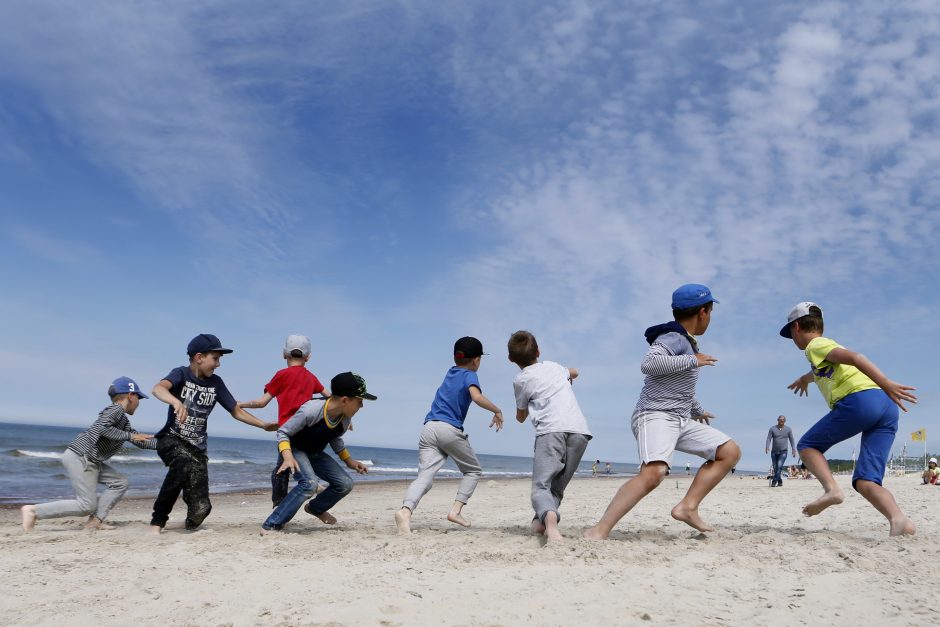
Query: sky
386, 177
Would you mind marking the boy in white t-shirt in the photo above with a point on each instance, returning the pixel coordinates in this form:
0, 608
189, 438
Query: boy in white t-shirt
543, 392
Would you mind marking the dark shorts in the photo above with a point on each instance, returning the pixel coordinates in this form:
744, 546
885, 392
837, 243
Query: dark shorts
869, 412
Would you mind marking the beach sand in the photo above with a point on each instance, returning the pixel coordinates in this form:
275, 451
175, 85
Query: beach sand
766, 564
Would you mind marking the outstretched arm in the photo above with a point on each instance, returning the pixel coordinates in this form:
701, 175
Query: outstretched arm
241, 415
801, 385
477, 397
258, 403
895, 391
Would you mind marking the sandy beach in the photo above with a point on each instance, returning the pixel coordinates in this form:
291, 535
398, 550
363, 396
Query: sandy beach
766, 564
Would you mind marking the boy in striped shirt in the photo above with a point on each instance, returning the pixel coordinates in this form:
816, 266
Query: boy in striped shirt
85, 461
668, 417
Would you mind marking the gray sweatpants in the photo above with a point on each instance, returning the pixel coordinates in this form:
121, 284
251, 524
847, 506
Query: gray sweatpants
85, 477
439, 441
556, 459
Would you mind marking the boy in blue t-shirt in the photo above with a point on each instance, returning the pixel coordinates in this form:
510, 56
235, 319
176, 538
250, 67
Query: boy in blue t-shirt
192, 392
443, 435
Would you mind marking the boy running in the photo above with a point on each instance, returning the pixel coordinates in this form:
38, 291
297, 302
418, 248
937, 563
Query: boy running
192, 392
862, 400
543, 392
443, 435
668, 417
292, 387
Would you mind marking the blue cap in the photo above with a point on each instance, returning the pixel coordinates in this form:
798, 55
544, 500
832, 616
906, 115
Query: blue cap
205, 343
692, 295
125, 385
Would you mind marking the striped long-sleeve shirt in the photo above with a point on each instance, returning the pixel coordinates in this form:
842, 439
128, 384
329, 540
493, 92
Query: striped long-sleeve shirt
671, 370
107, 436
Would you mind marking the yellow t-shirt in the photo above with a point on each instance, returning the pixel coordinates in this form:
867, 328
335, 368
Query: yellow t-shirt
835, 381
934, 471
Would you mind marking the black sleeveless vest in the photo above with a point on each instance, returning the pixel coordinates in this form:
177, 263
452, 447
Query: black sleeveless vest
312, 440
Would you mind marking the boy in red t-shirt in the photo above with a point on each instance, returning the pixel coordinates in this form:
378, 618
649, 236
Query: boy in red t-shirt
292, 387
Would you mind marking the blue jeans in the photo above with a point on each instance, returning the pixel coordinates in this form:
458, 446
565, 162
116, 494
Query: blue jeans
311, 466
779, 460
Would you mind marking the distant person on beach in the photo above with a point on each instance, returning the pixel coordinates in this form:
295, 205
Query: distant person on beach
543, 391
292, 387
932, 474
443, 436
192, 392
779, 435
594, 467
688, 468
302, 441
862, 400
85, 461
668, 417
607, 468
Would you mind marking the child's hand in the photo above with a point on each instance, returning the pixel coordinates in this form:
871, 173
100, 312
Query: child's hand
800, 387
270, 426
358, 466
289, 463
898, 393
706, 417
497, 420
181, 413
705, 360
141, 437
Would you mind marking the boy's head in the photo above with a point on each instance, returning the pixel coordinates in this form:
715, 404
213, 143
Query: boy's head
467, 352
126, 392
349, 390
523, 349
804, 318
297, 347
204, 352
932, 463
693, 303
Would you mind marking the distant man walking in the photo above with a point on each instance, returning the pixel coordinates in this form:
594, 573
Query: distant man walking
778, 436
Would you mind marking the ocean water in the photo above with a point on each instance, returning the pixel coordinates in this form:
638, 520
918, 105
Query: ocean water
30, 470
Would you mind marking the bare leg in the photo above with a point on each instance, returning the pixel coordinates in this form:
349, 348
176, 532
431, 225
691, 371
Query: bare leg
29, 517
832, 493
551, 528
706, 479
882, 499
403, 520
455, 517
629, 494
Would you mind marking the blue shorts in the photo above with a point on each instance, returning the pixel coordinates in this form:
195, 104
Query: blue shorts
869, 412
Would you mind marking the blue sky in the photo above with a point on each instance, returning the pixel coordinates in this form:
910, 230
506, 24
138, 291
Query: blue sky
388, 176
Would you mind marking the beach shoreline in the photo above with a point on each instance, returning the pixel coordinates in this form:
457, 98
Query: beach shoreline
765, 564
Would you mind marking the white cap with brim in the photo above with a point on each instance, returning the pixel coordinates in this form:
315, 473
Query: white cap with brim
933, 460
297, 343
798, 311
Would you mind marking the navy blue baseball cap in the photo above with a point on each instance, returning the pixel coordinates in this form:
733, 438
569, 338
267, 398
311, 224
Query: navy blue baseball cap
125, 385
205, 343
468, 348
692, 295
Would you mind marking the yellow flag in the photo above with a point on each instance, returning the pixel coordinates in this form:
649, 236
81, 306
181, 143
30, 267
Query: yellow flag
919, 436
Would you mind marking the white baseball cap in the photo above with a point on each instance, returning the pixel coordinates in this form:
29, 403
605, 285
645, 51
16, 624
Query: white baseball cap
933, 460
799, 310
297, 343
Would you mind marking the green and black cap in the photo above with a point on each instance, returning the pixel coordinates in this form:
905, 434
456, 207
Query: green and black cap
350, 384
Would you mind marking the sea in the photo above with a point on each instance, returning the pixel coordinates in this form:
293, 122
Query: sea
30, 470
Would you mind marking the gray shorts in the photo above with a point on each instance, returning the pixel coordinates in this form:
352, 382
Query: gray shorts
658, 434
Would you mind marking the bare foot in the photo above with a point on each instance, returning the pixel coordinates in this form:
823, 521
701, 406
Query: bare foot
265, 532
29, 517
403, 520
591, 533
457, 518
326, 518
826, 500
553, 535
154, 530
902, 527
96, 524
690, 517
537, 527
